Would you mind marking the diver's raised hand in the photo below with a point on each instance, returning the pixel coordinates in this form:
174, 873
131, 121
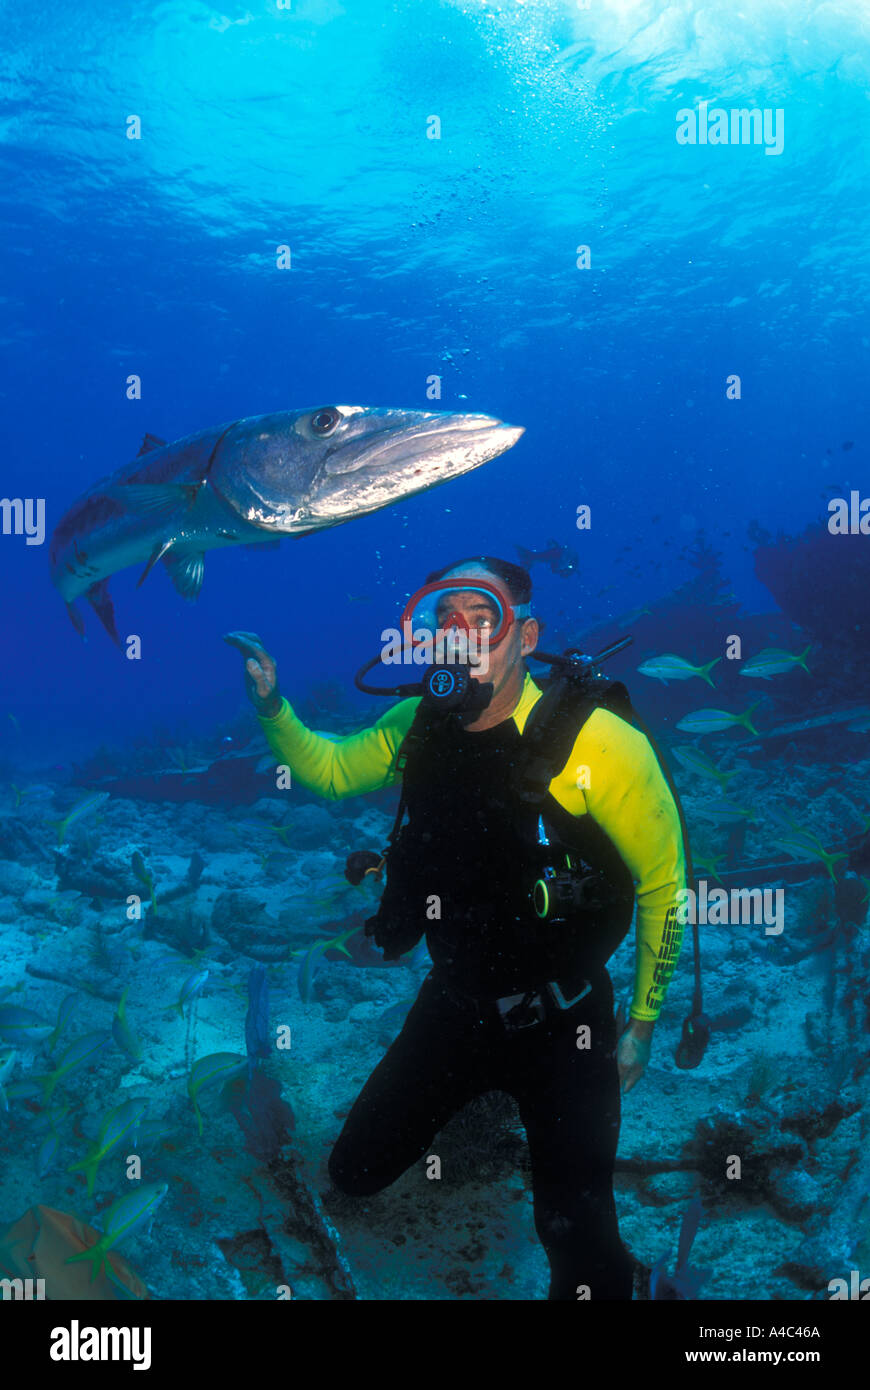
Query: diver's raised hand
261, 673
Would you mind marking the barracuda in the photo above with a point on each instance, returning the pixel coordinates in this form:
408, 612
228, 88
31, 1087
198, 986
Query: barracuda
253, 482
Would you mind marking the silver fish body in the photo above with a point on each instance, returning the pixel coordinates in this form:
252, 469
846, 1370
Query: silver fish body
255, 480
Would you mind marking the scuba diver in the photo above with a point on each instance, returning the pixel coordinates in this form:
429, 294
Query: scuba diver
531, 821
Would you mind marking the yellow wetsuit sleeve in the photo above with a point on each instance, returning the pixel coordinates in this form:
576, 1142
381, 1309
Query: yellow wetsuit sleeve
624, 790
362, 762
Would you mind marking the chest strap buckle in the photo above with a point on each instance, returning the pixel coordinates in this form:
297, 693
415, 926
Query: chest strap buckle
558, 997
518, 1011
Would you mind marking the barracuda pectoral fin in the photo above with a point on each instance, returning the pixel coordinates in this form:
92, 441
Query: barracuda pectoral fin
267, 543
186, 570
154, 499
157, 554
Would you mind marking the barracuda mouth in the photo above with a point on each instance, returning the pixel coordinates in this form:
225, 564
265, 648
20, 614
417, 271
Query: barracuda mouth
400, 461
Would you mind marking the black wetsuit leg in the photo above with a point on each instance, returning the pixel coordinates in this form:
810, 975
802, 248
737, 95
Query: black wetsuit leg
570, 1106
439, 1061
569, 1103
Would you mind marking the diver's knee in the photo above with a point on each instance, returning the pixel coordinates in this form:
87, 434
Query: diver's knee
351, 1178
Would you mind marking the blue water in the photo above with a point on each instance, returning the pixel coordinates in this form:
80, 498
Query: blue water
307, 126
413, 256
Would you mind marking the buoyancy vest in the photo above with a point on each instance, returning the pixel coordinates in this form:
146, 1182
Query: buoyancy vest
463, 867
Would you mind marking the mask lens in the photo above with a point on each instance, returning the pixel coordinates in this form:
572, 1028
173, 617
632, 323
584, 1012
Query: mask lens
470, 610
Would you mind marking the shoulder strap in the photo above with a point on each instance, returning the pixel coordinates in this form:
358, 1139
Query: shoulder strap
551, 730
414, 736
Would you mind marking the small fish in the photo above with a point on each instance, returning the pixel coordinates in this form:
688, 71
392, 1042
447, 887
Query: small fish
676, 668
685, 1281
27, 1089
257, 1042
84, 1049
47, 1156
308, 969
821, 721
773, 662
560, 559
803, 844
63, 902
709, 863
697, 761
145, 877
16, 726
802, 849
210, 1071
151, 1132
337, 943
395, 1015
84, 808
124, 1217
67, 1008
123, 1033
711, 721
723, 811
22, 1026
189, 990
8, 1058
860, 726
314, 956
359, 598
632, 616
117, 1123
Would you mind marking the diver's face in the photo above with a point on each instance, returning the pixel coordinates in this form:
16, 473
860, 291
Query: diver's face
501, 663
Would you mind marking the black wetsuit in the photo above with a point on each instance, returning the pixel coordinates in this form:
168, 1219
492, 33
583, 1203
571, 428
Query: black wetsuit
469, 843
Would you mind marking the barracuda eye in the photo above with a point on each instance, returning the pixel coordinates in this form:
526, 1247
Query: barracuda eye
324, 421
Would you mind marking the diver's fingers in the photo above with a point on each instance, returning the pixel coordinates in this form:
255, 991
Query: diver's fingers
248, 643
263, 683
631, 1077
251, 647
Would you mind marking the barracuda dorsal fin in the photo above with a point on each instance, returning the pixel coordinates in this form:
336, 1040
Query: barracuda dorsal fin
149, 442
186, 571
152, 499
